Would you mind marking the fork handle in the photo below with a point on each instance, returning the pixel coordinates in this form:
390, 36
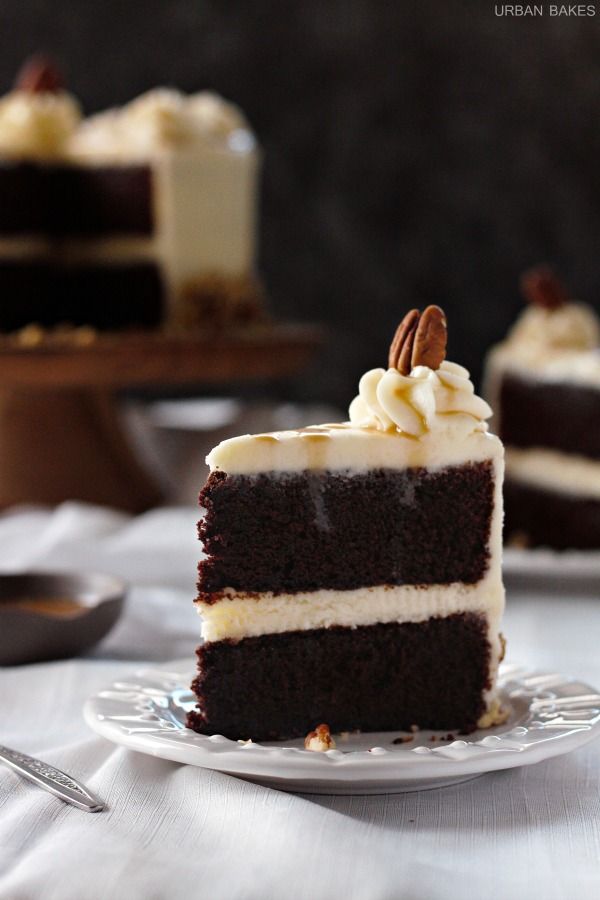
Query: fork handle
53, 780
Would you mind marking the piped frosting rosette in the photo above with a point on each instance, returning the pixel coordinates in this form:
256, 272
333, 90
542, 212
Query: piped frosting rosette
552, 322
555, 337
420, 402
420, 392
164, 119
38, 117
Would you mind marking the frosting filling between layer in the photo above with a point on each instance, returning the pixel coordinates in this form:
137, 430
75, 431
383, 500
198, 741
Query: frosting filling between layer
76, 249
238, 615
564, 473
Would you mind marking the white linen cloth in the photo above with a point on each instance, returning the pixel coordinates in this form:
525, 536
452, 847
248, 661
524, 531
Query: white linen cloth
173, 831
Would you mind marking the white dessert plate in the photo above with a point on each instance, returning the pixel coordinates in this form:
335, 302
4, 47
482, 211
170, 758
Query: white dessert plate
576, 567
550, 714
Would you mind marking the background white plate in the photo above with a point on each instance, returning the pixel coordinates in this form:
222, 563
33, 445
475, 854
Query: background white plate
550, 715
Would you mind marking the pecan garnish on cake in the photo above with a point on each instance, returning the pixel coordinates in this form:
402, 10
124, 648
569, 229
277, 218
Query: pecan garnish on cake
39, 75
541, 286
420, 340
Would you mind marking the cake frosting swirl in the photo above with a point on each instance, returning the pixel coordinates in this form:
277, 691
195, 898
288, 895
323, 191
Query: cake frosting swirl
419, 403
164, 119
37, 125
571, 327
555, 342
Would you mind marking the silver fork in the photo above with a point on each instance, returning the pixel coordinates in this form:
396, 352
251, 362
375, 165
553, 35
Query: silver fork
53, 780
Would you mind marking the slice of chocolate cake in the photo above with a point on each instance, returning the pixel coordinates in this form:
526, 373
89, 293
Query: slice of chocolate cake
543, 382
352, 571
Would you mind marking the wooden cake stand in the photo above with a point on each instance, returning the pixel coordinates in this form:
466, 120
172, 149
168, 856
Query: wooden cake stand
60, 432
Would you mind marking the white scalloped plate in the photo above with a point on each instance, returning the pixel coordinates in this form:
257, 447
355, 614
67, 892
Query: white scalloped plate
550, 714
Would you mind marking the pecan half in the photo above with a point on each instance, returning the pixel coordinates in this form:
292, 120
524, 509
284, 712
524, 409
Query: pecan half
39, 75
400, 354
541, 286
430, 339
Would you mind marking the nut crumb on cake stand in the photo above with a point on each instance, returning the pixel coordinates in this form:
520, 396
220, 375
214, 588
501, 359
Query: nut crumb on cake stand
60, 432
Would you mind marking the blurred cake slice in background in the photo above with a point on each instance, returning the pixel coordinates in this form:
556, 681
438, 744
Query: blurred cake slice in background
543, 382
134, 217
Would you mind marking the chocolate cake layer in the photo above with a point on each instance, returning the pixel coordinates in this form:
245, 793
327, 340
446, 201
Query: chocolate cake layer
550, 518
372, 678
552, 415
60, 200
310, 530
105, 297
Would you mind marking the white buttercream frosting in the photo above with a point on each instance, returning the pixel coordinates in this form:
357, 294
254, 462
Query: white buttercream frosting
348, 448
37, 125
561, 344
237, 615
424, 401
160, 120
570, 327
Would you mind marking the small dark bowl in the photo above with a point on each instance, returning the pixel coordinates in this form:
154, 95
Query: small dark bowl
28, 635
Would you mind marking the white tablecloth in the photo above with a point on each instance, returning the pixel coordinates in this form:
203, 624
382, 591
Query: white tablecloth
174, 831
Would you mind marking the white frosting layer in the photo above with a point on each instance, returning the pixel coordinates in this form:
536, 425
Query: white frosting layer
206, 210
239, 616
79, 250
163, 120
563, 473
551, 345
37, 125
427, 418
347, 448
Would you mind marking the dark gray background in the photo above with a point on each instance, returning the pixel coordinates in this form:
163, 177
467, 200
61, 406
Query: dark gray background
414, 152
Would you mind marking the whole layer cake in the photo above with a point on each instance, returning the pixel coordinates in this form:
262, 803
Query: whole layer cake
352, 571
543, 382
131, 217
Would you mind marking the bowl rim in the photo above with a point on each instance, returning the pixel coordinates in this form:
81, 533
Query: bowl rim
99, 587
